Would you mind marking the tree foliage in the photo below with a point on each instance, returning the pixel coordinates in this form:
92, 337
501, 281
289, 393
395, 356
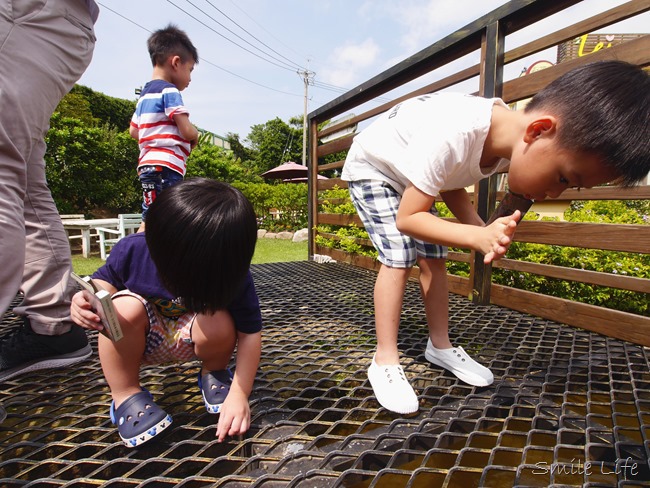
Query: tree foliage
91, 159
116, 112
210, 161
90, 168
337, 201
278, 207
274, 143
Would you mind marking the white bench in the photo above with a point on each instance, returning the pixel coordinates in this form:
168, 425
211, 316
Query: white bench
127, 224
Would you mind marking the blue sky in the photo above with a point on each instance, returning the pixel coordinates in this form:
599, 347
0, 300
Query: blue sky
253, 77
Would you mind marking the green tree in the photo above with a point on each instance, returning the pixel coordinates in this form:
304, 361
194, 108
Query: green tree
274, 143
240, 151
77, 106
91, 168
116, 112
210, 161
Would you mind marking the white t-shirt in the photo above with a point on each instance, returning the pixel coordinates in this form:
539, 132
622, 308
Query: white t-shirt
433, 141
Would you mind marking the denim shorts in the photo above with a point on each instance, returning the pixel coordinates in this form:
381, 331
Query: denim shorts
155, 179
377, 203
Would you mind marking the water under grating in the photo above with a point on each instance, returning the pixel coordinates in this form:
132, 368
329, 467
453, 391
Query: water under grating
568, 407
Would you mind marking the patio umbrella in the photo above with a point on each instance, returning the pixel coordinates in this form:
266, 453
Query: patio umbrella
303, 179
286, 171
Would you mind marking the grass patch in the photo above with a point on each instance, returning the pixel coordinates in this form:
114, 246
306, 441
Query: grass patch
266, 251
86, 266
279, 251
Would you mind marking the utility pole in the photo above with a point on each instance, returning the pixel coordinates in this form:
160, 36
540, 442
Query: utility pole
306, 76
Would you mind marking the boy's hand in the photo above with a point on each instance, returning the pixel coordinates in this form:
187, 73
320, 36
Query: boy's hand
235, 415
499, 236
82, 313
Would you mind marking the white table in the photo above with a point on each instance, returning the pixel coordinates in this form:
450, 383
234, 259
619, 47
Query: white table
85, 226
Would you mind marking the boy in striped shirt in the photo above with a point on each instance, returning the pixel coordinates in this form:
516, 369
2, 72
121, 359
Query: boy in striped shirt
161, 123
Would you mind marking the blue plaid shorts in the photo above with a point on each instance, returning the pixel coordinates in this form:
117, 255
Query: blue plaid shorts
377, 203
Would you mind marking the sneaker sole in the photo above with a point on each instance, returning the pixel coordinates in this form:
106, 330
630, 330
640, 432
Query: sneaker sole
213, 409
470, 380
148, 435
47, 363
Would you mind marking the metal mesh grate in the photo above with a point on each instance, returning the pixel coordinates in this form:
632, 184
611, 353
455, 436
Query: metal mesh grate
568, 407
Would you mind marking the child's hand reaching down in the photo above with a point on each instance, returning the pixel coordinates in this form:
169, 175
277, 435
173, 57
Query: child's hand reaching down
235, 415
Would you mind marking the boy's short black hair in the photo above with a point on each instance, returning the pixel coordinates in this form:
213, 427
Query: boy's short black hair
201, 234
171, 41
603, 108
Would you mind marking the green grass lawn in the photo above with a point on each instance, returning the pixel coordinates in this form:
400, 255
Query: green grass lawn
266, 251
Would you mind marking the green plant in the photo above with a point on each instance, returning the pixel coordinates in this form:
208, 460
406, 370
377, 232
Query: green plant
91, 167
281, 207
336, 201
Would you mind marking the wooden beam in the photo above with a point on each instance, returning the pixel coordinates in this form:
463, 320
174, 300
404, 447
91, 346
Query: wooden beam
608, 237
612, 323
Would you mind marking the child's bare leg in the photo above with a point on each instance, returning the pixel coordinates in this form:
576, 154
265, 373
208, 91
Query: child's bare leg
121, 360
389, 296
435, 294
214, 337
387, 378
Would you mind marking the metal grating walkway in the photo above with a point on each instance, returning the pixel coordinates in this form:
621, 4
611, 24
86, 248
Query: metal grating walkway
568, 407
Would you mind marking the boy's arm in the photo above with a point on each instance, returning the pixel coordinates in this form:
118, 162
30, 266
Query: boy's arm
459, 203
186, 128
134, 132
106, 286
414, 219
235, 413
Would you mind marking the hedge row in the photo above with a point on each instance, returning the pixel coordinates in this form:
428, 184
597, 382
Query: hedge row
631, 264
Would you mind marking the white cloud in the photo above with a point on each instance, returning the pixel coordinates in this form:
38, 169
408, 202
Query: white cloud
427, 21
347, 62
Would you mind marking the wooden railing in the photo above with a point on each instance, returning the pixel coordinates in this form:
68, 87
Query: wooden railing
487, 36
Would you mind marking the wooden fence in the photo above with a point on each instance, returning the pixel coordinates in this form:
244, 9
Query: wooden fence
486, 38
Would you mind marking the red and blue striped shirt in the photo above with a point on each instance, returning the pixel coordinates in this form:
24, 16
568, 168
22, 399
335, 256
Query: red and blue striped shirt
160, 141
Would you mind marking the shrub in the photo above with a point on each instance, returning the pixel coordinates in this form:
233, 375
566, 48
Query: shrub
91, 167
281, 207
619, 212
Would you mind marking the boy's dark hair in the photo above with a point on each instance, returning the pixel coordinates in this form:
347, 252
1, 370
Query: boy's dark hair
603, 108
171, 41
201, 234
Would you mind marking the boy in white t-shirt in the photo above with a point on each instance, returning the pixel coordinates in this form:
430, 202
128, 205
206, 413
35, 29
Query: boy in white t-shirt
587, 128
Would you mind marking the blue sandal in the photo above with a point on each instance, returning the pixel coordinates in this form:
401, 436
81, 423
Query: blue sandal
139, 419
215, 387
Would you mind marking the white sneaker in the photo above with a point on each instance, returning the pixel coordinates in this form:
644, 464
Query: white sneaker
392, 389
456, 360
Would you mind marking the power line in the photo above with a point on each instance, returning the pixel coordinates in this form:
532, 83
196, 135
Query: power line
250, 81
265, 30
125, 18
296, 65
301, 72
285, 66
338, 89
202, 58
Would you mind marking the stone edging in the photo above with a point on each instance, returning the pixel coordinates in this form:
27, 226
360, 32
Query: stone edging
298, 236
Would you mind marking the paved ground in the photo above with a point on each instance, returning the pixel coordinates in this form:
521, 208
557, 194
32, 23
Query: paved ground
568, 407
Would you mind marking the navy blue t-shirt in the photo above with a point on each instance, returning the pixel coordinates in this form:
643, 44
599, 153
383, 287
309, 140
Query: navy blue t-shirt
130, 267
